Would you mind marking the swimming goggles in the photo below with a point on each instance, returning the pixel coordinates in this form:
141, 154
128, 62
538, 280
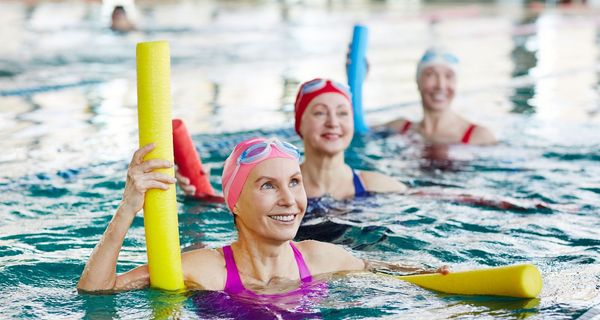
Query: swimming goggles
431, 55
261, 151
318, 84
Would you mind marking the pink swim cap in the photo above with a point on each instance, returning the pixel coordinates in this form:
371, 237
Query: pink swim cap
312, 89
244, 157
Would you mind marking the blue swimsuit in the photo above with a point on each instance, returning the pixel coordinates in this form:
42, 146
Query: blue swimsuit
359, 187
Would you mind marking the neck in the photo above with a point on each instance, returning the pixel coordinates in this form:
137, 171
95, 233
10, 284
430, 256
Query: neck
436, 121
322, 172
263, 259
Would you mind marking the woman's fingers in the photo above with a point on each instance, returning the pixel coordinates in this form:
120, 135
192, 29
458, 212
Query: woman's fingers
148, 166
152, 180
443, 269
140, 153
158, 176
183, 180
154, 184
184, 184
188, 189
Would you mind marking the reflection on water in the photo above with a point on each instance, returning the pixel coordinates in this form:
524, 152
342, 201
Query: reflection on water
69, 124
524, 58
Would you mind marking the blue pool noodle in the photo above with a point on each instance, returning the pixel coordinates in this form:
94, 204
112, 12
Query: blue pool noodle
357, 70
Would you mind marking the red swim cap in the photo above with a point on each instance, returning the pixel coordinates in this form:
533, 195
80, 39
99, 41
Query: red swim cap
312, 89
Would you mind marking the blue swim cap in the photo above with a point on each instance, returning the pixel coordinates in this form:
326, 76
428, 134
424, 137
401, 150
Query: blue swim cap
439, 56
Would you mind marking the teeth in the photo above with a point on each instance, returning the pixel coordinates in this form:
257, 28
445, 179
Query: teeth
284, 218
439, 97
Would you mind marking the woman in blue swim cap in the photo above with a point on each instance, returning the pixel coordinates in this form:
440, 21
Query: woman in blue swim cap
265, 193
436, 79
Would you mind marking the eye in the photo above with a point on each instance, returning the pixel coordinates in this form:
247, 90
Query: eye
294, 182
266, 185
318, 113
343, 113
428, 73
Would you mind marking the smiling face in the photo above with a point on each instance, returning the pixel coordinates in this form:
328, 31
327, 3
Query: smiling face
273, 200
327, 124
437, 85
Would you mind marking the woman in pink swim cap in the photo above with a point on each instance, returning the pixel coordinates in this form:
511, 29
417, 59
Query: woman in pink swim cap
436, 80
263, 188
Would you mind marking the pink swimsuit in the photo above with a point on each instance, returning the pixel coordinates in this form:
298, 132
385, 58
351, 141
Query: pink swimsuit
234, 283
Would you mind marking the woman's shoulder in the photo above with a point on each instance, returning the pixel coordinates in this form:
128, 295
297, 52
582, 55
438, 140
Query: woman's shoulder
379, 182
324, 257
482, 135
204, 268
397, 125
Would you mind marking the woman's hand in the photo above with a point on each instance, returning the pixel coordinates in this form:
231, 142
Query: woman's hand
141, 178
443, 270
184, 184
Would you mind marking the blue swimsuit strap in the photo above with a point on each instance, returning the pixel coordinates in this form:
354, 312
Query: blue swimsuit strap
359, 188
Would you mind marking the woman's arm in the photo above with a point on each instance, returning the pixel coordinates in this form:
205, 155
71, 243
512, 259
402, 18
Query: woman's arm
482, 136
378, 182
99, 273
323, 257
374, 266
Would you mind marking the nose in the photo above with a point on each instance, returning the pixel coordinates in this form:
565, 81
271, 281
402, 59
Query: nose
332, 120
286, 197
440, 82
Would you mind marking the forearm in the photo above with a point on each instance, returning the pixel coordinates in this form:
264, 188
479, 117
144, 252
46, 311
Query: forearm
100, 270
374, 266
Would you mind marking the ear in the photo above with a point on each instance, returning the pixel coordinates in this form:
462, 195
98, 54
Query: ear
235, 210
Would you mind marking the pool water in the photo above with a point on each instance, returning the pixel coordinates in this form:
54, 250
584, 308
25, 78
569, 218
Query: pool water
69, 127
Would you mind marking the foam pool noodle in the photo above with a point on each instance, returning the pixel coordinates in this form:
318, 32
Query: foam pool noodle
520, 281
357, 71
160, 206
188, 162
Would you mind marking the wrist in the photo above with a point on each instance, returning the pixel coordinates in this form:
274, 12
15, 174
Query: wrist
126, 209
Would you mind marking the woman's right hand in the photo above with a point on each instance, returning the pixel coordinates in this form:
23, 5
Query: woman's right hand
141, 178
184, 184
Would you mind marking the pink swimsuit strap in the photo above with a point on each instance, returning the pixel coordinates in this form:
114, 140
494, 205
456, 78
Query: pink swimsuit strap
234, 282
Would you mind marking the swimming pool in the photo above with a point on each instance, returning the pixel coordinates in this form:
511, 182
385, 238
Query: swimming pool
69, 126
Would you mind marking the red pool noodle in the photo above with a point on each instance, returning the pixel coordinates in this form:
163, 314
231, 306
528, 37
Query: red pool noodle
188, 162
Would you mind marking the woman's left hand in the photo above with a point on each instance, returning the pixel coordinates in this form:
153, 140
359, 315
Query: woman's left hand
443, 270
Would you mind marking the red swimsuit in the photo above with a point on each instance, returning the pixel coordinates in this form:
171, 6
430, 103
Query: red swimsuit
465, 139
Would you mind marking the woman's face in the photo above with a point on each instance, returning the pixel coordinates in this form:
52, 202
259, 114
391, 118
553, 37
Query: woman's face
437, 84
327, 124
273, 200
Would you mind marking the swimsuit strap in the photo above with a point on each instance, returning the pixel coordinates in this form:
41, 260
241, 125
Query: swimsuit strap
467, 136
405, 127
359, 187
305, 275
234, 282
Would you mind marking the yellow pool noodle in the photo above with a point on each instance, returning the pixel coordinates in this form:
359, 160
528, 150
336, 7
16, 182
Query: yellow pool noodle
521, 281
160, 206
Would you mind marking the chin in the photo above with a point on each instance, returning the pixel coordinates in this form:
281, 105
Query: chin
439, 106
283, 237
333, 147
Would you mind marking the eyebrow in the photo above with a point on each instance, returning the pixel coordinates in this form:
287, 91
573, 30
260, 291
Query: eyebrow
272, 178
337, 107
